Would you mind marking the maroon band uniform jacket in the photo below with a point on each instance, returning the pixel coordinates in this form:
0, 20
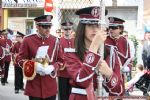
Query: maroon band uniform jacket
82, 73
66, 45
2, 55
123, 49
40, 86
9, 47
15, 51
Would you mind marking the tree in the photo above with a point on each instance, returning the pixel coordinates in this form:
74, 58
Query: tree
133, 38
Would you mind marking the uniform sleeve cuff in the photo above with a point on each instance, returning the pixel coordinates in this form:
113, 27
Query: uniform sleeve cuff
91, 59
112, 82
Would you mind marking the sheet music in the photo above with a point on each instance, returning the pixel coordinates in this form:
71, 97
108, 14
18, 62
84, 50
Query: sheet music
42, 52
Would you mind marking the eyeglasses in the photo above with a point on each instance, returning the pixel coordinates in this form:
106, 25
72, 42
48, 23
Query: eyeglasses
45, 26
126, 35
67, 29
19, 36
113, 27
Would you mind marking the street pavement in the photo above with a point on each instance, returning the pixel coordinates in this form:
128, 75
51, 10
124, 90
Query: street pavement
7, 91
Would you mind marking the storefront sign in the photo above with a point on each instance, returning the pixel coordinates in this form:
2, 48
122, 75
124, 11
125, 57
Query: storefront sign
22, 3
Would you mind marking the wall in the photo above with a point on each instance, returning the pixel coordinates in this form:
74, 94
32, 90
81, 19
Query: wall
1, 15
146, 12
1, 18
129, 14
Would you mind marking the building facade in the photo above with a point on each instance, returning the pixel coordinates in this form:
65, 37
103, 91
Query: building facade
19, 15
1, 15
129, 10
146, 13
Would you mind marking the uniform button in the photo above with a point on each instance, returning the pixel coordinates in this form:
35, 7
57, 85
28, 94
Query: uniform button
43, 42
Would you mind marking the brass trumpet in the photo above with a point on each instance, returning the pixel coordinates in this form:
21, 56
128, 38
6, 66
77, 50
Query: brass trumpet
43, 61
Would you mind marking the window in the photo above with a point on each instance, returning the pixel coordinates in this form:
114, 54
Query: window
35, 12
21, 12
17, 12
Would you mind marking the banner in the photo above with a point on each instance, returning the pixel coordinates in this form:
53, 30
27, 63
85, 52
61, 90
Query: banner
22, 3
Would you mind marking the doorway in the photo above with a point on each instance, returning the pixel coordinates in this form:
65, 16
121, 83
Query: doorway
29, 26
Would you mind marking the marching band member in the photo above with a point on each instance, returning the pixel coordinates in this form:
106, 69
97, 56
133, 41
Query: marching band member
66, 45
8, 47
18, 70
37, 57
120, 43
83, 64
2, 55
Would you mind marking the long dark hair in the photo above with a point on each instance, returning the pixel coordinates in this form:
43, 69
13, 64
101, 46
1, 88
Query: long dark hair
79, 41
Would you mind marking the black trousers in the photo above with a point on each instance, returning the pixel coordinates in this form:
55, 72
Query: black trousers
18, 78
143, 83
64, 88
36, 98
7, 63
2, 73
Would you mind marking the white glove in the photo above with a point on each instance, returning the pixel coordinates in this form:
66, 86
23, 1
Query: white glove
125, 69
48, 69
40, 69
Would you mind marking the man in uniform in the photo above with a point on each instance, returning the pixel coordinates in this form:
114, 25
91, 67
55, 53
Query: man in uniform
37, 57
66, 45
8, 44
3, 58
18, 70
2, 55
120, 43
